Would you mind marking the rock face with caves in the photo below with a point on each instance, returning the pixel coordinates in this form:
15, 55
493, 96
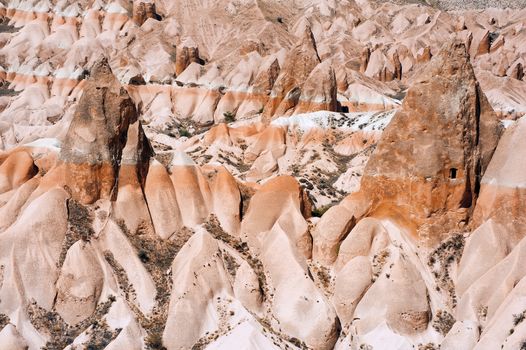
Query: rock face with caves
430, 161
262, 175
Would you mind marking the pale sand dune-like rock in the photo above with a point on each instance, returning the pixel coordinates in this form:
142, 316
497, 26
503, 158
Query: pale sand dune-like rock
33, 252
502, 187
405, 309
350, 286
295, 294
332, 229
79, 284
368, 237
193, 292
16, 170
281, 202
162, 201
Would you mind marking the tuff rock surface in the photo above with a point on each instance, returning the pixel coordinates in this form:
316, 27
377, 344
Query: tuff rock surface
262, 175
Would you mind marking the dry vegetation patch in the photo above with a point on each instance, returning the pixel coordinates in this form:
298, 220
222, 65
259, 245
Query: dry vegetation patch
62, 334
441, 260
157, 256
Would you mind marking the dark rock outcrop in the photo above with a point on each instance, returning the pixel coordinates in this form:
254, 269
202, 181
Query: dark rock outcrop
425, 56
144, 10
185, 55
517, 71
299, 63
429, 163
93, 146
397, 66
364, 59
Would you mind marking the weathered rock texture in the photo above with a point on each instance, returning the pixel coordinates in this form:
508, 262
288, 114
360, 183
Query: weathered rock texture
92, 150
430, 161
261, 175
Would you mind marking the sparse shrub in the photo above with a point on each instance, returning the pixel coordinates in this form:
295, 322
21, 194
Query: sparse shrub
379, 261
4, 320
230, 264
441, 261
261, 110
318, 212
518, 318
80, 220
143, 255
84, 74
482, 312
62, 334
184, 133
229, 117
324, 276
428, 346
154, 341
443, 322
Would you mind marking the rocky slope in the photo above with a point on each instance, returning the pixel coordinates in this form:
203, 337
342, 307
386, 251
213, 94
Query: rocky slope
466, 5
261, 175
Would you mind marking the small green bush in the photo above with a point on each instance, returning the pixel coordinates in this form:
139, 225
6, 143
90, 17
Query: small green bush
229, 117
318, 212
184, 133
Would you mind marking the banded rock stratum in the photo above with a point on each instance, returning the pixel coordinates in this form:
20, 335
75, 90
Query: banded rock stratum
245, 174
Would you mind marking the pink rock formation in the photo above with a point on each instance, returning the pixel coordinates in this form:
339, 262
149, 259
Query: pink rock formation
93, 145
261, 175
436, 176
142, 11
299, 63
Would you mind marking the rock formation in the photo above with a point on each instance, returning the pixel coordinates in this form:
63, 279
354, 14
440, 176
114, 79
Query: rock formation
185, 55
426, 55
440, 157
298, 65
501, 191
262, 175
364, 59
144, 10
398, 66
95, 140
517, 71
484, 44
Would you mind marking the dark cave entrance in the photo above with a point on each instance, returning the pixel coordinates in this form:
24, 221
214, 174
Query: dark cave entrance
453, 173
